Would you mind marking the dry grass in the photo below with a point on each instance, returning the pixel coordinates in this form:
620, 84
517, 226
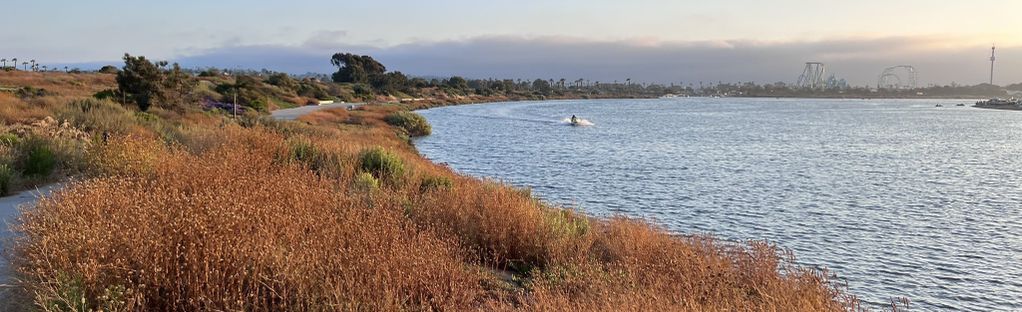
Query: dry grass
64, 84
199, 233
282, 216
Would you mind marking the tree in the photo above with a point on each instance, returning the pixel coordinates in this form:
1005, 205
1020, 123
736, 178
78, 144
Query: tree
33, 65
541, 85
176, 88
109, 69
389, 82
5, 63
457, 82
282, 80
15, 61
25, 65
142, 80
355, 68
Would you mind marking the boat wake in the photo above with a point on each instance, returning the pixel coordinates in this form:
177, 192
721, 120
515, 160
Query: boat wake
581, 122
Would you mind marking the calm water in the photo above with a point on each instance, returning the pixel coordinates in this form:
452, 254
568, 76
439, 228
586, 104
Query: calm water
899, 198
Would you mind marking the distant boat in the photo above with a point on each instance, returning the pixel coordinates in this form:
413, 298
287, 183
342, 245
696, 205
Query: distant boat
960, 104
939, 105
1000, 102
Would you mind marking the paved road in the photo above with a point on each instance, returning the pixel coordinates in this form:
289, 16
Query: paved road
9, 213
294, 113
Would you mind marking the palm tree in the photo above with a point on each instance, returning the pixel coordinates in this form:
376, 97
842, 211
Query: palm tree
5, 63
25, 65
33, 64
44, 67
15, 60
65, 69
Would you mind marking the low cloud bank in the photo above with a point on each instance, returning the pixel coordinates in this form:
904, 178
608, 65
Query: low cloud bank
859, 61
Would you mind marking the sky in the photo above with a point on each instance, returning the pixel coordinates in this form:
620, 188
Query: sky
647, 41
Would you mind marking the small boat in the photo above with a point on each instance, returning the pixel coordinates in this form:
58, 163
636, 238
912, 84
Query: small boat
960, 104
940, 105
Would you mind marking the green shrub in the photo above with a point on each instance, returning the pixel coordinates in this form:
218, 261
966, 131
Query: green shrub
8, 139
6, 179
98, 116
365, 181
383, 164
39, 158
432, 183
70, 294
413, 123
108, 94
567, 223
29, 92
303, 151
146, 117
259, 105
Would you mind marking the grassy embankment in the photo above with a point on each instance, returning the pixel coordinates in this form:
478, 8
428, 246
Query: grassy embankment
193, 210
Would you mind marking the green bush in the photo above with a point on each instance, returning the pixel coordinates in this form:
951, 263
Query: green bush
39, 158
98, 116
304, 151
108, 94
6, 179
567, 223
8, 139
365, 181
382, 164
413, 123
435, 183
29, 92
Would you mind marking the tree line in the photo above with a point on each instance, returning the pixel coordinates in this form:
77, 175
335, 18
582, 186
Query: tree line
362, 78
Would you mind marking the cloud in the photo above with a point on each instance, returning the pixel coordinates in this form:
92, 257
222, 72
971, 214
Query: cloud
859, 60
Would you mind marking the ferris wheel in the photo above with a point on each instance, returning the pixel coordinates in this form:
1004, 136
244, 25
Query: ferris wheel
899, 77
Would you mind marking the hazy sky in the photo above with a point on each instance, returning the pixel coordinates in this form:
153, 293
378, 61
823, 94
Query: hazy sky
737, 40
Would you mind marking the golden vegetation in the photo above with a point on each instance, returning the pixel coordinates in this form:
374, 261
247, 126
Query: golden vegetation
338, 212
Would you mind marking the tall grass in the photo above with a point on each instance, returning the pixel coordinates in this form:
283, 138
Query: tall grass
215, 235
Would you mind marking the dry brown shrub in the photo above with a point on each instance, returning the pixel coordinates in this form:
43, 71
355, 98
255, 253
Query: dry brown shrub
202, 233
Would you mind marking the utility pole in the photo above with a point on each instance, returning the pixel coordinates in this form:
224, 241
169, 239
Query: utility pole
992, 64
235, 102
